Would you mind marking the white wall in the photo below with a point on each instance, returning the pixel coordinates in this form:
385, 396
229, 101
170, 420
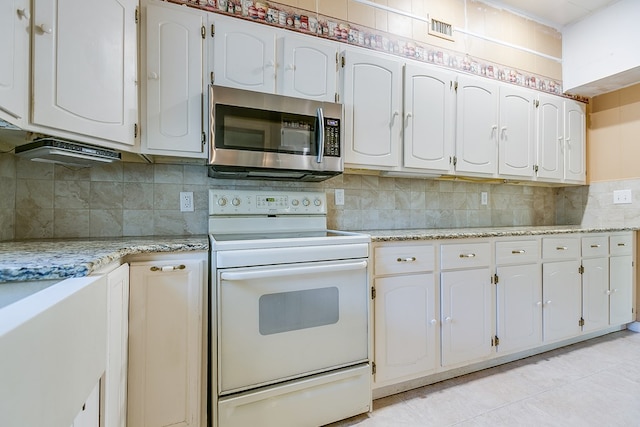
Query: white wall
601, 52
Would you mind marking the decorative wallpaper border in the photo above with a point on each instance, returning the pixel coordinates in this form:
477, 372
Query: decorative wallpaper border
310, 23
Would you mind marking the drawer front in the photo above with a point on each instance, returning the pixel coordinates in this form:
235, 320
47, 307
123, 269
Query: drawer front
461, 255
560, 247
593, 246
403, 259
517, 252
621, 244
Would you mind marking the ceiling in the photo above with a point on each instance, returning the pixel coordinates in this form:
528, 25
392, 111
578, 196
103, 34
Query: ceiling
555, 13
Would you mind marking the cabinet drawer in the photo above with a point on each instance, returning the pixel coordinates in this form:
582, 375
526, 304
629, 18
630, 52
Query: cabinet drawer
595, 246
403, 259
621, 244
465, 255
517, 252
560, 247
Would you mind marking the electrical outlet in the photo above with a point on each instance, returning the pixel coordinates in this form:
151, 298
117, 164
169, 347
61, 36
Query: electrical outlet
621, 197
339, 195
484, 198
186, 201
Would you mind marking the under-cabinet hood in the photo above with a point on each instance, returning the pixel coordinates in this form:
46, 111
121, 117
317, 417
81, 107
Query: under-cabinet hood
52, 150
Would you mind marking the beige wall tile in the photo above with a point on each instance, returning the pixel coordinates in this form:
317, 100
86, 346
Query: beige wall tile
547, 40
548, 68
361, 14
310, 5
400, 25
381, 20
334, 8
403, 5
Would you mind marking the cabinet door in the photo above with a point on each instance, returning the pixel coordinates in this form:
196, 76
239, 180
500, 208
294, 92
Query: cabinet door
174, 80
115, 379
89, 415
405, 327
14, 67
476, 126
550, 135
519, 307
244, 55
595, 294
575, 129
561, 295
372, 97
466, 316
84, 67
621, 288
516, 140
429, 117
165, 344
307, 68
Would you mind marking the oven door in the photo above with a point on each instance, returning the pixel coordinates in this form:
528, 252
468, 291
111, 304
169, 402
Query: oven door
283, 322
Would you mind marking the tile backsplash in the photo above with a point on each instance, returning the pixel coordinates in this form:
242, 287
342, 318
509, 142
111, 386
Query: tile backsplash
40, 200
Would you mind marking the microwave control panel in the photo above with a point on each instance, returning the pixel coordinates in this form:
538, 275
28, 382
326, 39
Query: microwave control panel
332, 137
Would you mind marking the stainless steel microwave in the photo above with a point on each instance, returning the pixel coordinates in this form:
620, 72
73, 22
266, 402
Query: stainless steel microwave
264, 136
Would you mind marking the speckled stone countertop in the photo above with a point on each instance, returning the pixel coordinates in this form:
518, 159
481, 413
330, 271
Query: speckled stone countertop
465, 233
61, 259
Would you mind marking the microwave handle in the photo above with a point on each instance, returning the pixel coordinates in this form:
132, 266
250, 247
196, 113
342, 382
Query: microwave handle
320, 135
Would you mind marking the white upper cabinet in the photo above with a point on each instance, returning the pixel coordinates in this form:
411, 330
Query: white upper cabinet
307, 68
172, 84
429, 117
477, 126
263, 59
15, 19
244, 55
575, 129
516, 133
550, 138
84, 67
372, 97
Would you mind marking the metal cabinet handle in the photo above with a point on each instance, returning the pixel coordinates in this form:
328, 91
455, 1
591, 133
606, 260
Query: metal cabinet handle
622, 244
168, 268
595, 246
561, 248
519, 251
409, 259
467, 255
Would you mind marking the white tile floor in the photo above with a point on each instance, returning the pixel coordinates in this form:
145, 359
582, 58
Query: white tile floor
594, 383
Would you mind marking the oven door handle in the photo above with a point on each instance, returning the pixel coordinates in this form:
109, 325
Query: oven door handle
293, 271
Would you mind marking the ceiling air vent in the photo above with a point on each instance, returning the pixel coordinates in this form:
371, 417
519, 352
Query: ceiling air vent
441, 29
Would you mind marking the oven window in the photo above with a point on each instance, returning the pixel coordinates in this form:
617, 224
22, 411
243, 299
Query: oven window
290, 311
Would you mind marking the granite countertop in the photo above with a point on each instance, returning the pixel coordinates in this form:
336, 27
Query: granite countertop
65, 258
464, 233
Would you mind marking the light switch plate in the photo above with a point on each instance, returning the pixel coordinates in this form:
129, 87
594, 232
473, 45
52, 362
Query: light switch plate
484, 198
621, 197
339, 197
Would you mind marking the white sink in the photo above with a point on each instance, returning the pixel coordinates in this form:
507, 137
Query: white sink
53, 339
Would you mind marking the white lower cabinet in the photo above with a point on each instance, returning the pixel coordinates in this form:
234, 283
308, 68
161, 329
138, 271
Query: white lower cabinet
166, 345
436, 313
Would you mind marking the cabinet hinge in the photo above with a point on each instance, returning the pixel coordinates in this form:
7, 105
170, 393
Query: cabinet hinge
495, 279
203, 32
373, 368
136, 16
536, 103
213, 30
135, 130
342, 61
373, 292
581, 270
535, 168
337, 97
203, 139
455, 86
581, 322
495, 341
212, 77
455, 161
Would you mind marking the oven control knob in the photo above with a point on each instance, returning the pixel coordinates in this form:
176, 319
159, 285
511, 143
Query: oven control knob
317, 202
306, 202
222, 201
295, 202
235, 201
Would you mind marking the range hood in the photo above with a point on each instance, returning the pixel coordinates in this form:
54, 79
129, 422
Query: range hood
53, 150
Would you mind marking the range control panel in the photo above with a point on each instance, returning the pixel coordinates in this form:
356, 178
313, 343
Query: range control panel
252, 202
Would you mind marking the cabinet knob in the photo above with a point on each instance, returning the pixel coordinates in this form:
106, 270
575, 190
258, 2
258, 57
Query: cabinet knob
45, 28
290, 67
548, 302
539, 303
153, 75
433, 322
23, 13
270, 64
615, 290
607, 292
447, 319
